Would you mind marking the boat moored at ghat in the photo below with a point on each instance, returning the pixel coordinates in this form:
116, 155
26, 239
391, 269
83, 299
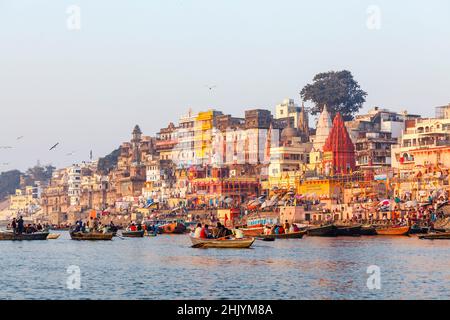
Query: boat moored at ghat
393, 230
322, 231
348, 230
292, 235
436, 236
253, 231
172, 228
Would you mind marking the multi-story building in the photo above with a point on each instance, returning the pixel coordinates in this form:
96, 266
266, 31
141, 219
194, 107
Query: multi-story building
130, 177
55, 200
74, 184
22, 199
424, 141
374, 134
289, 109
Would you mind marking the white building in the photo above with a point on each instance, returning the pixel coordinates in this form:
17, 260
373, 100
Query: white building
74, 184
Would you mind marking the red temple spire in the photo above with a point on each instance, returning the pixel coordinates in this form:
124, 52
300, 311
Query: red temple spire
341, 146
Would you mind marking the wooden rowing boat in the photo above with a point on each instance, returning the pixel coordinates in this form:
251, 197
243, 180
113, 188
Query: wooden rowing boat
436, 236
323, 231
243, 243
91, 236
349, 230
368, 230
173, 228
393, 231
252, 232
23, 236
416, 229
133, 234
292, 235
53, 236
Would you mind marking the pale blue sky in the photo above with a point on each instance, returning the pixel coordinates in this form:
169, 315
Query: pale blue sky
147, 62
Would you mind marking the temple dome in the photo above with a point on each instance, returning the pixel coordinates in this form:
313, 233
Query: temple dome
289, 133
324, 126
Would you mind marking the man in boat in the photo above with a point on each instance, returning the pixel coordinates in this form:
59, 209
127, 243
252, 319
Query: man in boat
198, 230
222, 231
77, 226
286, 226
20, 227
14, 225
204, 233
238, 234
267, 230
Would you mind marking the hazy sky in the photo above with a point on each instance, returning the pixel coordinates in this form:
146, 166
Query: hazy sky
147, 62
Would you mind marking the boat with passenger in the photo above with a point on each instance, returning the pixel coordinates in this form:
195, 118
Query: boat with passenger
230, 243
10, 235
133, 234
91, 236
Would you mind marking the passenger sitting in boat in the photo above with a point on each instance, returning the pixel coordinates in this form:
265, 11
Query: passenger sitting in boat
133, 227
274, 229
14, 225
281, 230
77, 226
30, 229
267, 230
295, 228
286, 226
198, 230
204, 233
238, 234
222, 231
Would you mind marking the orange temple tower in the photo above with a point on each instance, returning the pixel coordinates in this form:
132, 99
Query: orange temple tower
339, 151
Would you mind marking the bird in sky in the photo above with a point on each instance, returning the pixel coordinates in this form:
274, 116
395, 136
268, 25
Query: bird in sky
54, 146
211, 87
20, 138
70, 153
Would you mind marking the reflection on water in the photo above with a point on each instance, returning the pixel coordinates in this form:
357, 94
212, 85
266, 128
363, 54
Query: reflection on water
165, 267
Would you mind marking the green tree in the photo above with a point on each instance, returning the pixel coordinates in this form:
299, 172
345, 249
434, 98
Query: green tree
9, 182
338, 90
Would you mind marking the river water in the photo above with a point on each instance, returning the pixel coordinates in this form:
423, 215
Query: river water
165, 267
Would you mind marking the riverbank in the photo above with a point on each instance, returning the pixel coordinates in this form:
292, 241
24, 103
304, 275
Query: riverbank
165, 267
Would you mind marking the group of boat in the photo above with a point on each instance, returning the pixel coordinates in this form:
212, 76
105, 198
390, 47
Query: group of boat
250, 234
332, 230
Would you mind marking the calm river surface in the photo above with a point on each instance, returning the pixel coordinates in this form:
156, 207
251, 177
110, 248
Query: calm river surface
165, 267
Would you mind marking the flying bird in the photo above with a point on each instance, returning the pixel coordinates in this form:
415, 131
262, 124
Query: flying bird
70, 153
20, 138
54, 146
211, 87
